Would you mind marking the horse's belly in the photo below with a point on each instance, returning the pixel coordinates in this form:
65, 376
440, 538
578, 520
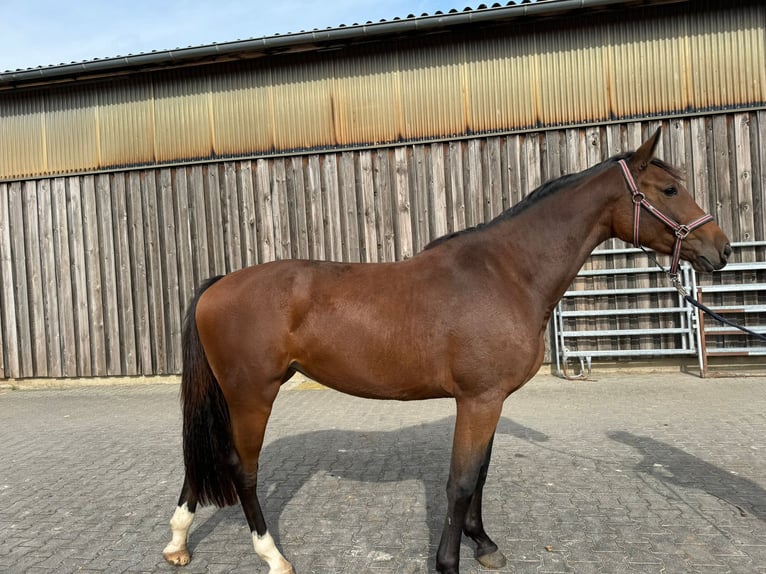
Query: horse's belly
362, 380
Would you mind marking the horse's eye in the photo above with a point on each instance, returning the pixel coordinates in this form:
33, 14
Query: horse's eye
670, 191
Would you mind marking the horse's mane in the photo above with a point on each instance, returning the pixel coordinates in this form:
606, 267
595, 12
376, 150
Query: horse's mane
549, 188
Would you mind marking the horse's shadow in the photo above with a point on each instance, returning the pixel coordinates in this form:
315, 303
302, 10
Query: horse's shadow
418, 453
675, 467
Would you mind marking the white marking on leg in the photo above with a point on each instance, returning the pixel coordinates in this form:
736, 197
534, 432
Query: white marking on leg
179, 526
266, 549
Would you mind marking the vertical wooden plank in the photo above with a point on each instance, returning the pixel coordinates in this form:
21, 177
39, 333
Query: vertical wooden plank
280, 209
112, 326
265, 215
384, 205
331, 208
123, 265
675, 134
635, 136
531, 168
314, 208
37, 342
139, 272
93, 277
513, 171
248, 217
403, 219
493, 186
474, 184
169, 258
155, 287
79, 279
456, 218
438, 192
214, 220
366, 203
552, 165
64, 278
48, 287
743, 180
18, 246
201, 257
759, 199
232, 237
594, 152
699, 173
350, 222
11, 360
419, 198
296, 190
184, 227
722, 149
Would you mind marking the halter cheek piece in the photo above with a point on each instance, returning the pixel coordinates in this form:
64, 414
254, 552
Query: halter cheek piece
680, 231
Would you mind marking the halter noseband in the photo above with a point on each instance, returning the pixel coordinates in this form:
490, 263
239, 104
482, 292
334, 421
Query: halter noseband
680, 231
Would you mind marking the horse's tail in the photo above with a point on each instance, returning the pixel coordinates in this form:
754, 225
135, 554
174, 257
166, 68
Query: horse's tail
206, 427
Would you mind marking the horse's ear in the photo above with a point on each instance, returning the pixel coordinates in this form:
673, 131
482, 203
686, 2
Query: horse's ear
645, 153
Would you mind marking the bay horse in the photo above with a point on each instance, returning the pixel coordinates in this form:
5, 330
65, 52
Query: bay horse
464, 318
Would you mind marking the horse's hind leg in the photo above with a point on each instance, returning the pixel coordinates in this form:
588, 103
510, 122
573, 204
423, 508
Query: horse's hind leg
177, 552
248, 427
487, 552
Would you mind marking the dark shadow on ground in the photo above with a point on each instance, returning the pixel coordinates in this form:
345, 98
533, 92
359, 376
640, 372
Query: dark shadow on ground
420, 452
676, 467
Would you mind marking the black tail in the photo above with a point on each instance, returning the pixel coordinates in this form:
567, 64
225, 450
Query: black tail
206, 431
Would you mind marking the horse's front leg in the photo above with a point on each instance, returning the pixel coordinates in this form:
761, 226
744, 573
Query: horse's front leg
487, 552
474, 429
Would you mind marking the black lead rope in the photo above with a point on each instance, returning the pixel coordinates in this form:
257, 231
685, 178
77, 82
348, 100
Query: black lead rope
692, 301
719, 318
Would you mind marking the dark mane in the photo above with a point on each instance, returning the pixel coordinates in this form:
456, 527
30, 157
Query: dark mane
549, 188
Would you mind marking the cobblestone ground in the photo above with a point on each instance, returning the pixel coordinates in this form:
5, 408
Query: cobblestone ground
644, 473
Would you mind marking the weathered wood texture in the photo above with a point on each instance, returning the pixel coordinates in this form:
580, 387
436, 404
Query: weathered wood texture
96, 270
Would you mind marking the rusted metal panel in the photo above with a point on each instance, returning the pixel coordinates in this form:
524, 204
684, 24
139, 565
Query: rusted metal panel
506, 78
126, 124
182, 119
242, 110
71, 125
22, 135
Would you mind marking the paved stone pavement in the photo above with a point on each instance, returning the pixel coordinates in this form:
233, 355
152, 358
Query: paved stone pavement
627, 473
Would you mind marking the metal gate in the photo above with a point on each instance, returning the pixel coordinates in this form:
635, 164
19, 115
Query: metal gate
632, 310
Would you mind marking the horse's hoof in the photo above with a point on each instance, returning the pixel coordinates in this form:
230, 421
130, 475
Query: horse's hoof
177, 557
492, 560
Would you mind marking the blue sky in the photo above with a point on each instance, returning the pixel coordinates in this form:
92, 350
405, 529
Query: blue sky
47, 32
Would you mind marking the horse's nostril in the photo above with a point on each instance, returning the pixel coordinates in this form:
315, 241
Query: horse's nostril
726, 252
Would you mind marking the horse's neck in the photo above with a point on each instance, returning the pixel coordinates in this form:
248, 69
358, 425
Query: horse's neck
552, 239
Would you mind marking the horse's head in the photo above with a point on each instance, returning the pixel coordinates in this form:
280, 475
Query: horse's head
658, 212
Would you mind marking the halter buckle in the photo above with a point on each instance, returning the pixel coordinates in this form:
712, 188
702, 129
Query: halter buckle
682, 231
638, 197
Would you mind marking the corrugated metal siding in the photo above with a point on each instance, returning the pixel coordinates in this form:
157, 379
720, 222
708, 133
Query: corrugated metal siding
514, 77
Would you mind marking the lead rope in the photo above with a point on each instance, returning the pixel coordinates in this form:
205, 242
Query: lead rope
692, 301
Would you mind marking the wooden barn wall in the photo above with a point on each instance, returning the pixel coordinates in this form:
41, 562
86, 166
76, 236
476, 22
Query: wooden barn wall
96, 270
